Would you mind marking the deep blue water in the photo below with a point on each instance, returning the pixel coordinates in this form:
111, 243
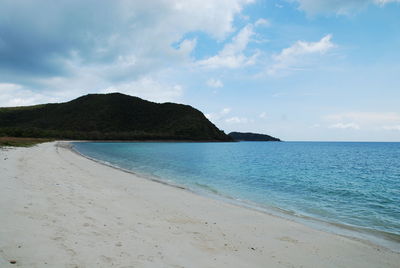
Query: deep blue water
350, 183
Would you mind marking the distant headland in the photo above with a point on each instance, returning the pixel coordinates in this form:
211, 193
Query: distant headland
240, 136
113, 116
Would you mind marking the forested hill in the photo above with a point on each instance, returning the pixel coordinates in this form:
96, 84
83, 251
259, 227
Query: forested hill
239, 136
112, 116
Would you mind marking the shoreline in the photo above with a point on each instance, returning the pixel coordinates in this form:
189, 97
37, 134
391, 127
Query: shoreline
369, 236
63, 209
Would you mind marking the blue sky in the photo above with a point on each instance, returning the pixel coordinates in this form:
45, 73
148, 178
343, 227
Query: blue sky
295, 69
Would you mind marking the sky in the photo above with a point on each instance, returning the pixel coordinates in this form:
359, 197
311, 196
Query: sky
300, 70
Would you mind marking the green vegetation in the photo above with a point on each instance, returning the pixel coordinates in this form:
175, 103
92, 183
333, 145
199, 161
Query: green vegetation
20, 142
109, 117
239, 136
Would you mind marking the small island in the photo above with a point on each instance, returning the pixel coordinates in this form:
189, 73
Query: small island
248, 136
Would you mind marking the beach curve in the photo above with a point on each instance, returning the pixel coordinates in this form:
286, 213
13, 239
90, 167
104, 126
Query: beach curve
63, 210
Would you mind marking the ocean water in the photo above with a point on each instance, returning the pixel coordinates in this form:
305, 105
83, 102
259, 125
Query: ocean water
349, 185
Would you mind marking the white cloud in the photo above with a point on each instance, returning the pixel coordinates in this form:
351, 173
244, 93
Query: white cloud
262, 115
187, 46
215, 83
396, 127
236, 120
214, 17
262, 22
226, 111
345, 126
219, 115
337, 6
149, 89
223, 116
295, 56
232, 55
16, 95
365, 117
365, 120
383, 2
7, 87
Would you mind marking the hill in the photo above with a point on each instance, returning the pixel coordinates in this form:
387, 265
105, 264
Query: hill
239, 136
112, 116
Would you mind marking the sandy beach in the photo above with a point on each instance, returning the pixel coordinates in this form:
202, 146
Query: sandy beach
59, 209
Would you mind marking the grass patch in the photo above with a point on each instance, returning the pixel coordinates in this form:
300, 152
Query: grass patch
21, 142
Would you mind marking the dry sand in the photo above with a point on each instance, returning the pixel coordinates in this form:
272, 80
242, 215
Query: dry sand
59, 209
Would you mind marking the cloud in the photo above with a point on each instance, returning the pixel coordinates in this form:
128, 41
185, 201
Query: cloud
224, 116
383, 2
262, 115
345, 126
149, 89
236, 120
262, 22
112, 42
187, 46
16, 95
232, 55
365, 120
215, 83
295, 57
337, 6
8, 87
219, 115
365, 117
396, 127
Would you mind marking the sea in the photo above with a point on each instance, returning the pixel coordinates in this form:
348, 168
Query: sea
349, 188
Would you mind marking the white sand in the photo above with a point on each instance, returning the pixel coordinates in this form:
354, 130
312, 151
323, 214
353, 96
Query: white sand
58, 209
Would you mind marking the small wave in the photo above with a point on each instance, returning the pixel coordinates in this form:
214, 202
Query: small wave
207, 188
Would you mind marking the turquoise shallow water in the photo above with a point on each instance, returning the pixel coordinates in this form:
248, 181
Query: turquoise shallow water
346, 183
